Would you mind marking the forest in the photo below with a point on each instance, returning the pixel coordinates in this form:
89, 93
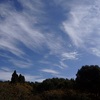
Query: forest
86, 86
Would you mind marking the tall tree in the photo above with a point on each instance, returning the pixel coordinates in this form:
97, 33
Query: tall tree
21, 79
88, 78
14, 78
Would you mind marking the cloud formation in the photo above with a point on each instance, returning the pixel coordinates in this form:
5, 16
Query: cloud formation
18, 29
82, 25
44, 33
50, 71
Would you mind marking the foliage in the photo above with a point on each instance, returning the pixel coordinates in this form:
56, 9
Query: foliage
64, 95
88, 78
84, 87
21, 79
15, 78
55, 83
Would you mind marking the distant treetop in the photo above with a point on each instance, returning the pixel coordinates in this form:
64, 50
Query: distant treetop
17, 78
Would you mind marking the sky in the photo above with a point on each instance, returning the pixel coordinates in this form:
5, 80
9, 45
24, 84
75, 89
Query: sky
48, 38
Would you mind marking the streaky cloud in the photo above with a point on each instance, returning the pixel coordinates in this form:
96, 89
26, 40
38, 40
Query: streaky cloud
50, 71
82, 25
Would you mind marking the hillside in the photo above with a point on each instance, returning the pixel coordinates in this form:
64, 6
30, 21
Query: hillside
56, 88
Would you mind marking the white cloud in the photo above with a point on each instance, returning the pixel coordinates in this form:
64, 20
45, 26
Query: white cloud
50, 71
62, 64
6, 45
96, 51
21, 63
70, 55
18, 27
54, 43
64, 57
82, 24
33, 78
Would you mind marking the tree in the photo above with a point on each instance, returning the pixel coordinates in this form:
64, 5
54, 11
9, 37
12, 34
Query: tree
88, 78
14, 78
21, 79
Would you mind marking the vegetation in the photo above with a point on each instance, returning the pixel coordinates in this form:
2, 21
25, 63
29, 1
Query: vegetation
86, 86
17, 79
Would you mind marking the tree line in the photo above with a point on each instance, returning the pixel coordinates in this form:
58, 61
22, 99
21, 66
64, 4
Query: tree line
86, 86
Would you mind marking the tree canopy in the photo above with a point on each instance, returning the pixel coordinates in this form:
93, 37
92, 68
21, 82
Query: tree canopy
86, 86
15, 78
88, 78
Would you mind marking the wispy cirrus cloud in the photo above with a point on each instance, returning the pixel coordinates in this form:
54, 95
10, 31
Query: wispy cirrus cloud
82, 23
96, 51
5, 69
51, 71
21, 63
18, 28
70, 55
63, 57
23, 33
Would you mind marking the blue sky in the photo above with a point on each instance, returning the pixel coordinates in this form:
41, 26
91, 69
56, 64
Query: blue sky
48, 38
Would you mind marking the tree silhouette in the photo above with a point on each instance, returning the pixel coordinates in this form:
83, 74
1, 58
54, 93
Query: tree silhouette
88, 78
14, 78
17, 79
21, 79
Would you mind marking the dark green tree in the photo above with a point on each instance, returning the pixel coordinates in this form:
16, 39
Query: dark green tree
21, 79
14, 78
88, 78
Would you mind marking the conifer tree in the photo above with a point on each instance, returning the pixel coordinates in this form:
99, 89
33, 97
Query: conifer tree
14, 78
21, 79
